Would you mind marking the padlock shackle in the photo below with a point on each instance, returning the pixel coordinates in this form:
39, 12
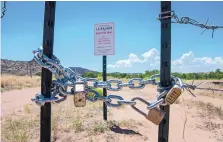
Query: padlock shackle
156, 103
136, 109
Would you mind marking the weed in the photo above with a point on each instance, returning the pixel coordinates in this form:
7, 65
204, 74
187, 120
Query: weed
77, 124
17, 130
212, 125
211, 109
27, 109
127, 123
99, 127
208, 109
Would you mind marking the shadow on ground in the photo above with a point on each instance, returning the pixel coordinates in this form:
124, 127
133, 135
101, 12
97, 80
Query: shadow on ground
119, 130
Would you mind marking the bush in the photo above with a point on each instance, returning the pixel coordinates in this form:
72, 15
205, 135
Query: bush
99, 90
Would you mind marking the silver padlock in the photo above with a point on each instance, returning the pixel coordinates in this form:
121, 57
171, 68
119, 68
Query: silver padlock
173, 94
80, 94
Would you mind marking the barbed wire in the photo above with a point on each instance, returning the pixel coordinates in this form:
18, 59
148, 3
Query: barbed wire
187, 20
4, 9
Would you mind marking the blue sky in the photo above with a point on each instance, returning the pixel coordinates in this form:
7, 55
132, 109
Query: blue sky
137, 34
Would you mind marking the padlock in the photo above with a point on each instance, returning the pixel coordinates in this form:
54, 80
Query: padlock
79, 94
173, 94
154, 115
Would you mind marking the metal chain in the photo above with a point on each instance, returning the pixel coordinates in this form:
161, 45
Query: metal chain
187, 20
63, 81
3, 9
40, 100
65, 78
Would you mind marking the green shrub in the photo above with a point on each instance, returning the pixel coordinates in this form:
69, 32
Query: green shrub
99, 90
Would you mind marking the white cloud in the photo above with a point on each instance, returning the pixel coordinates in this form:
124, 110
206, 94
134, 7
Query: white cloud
121, 63
134, 58
189, 63
219, 60
186, 58
152, 56
186, 63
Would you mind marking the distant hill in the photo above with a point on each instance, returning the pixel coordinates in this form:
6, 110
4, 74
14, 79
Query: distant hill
27, 67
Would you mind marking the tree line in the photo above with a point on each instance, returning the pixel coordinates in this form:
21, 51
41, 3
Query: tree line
217, 74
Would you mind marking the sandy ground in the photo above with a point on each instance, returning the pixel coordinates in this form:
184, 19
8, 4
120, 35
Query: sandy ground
203, 122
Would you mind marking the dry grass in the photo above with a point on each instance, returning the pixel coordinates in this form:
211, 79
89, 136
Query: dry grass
27, 109
127, 123
213, 125
210, 114
76, 120
11, 82
99, 127
77, 124
209, 93
208, 109
18, 129
54, 126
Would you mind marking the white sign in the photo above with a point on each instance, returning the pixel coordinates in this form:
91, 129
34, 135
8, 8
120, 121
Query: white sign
104, 39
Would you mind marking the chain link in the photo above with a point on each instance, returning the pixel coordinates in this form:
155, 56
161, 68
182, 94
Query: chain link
3, 9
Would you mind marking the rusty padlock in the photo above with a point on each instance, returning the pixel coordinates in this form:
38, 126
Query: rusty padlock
173, 94
155, 115
79, 94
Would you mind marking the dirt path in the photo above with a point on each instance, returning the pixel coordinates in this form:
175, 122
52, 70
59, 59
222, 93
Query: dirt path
13, 101
195, 130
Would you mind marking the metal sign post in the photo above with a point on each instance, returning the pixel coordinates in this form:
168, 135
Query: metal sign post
104, 89
48, 38
104, 45
165, 66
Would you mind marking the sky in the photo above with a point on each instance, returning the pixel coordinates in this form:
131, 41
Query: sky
137, 35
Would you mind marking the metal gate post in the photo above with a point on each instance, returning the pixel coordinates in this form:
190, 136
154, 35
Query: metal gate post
46, 81
104, 89
165, 66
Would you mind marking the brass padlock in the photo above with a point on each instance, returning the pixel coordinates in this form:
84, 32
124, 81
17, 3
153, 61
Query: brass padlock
154, 115
80, 94
173, 94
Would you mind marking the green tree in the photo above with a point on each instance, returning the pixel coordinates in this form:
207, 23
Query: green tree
90, 74
218, 71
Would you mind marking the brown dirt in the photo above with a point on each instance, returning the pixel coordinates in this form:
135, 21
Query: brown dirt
203, 115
